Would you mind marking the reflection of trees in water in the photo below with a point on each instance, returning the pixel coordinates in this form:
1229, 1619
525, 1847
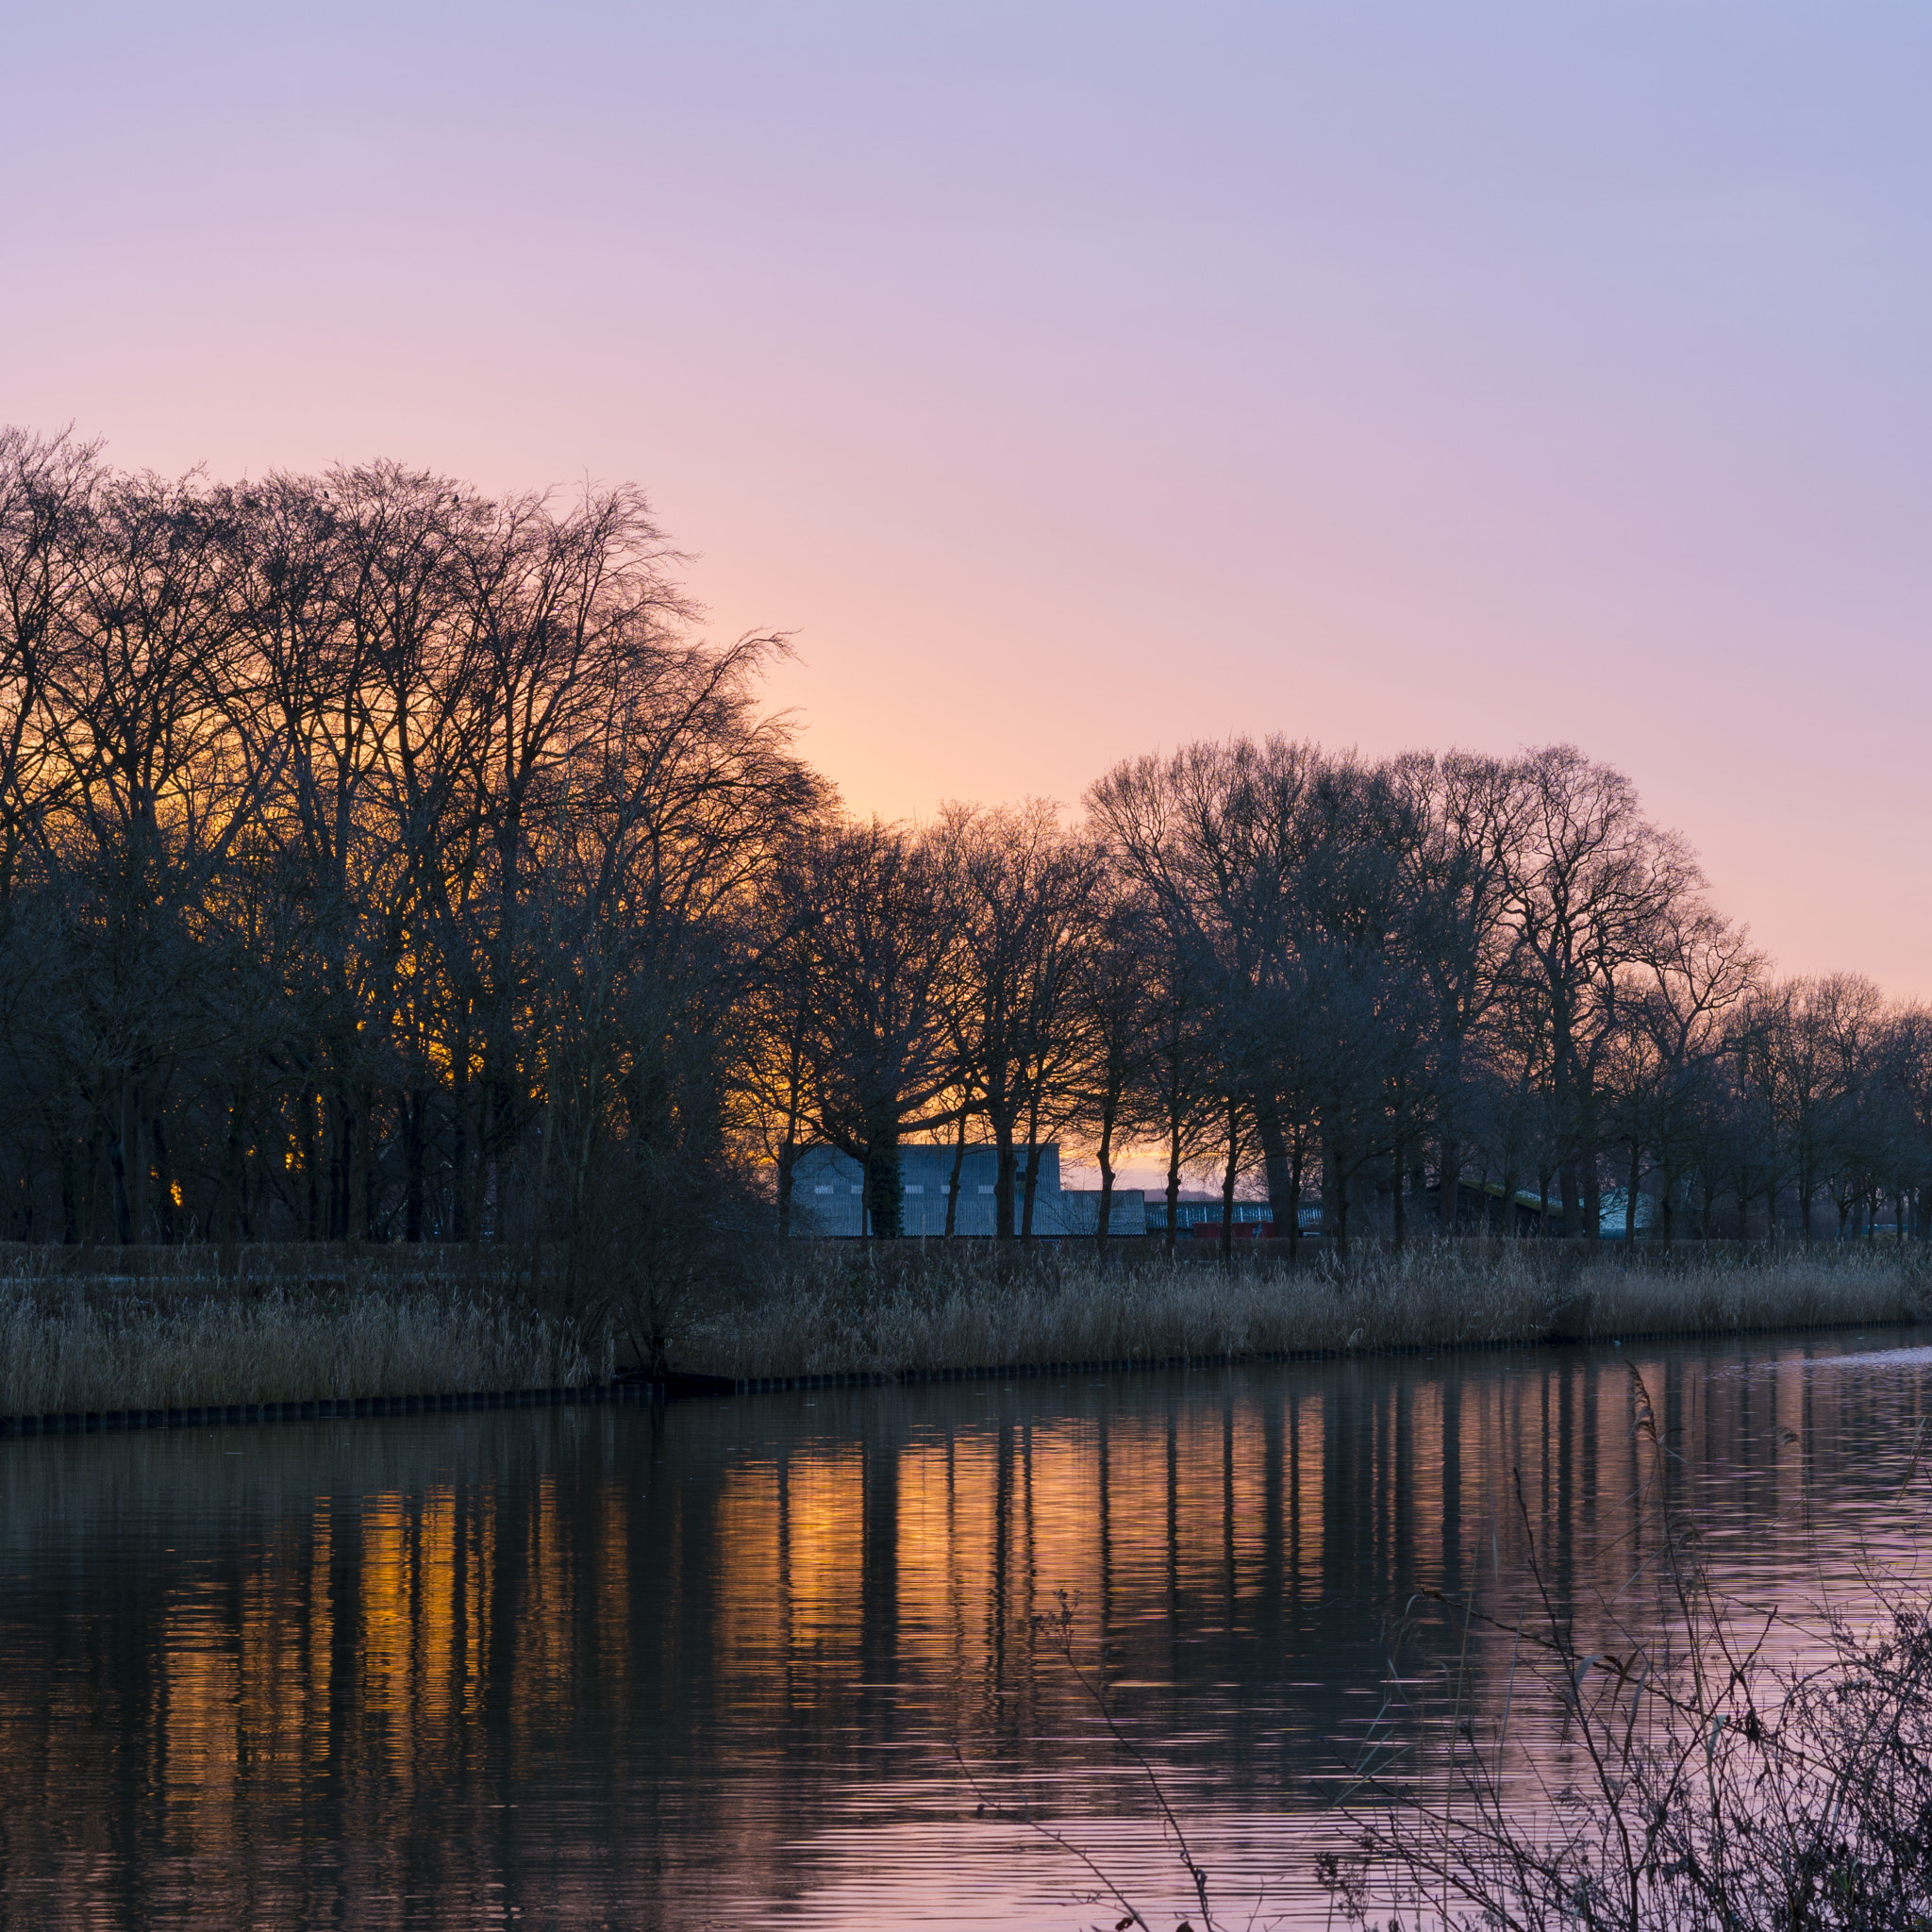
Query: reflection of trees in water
594, 1657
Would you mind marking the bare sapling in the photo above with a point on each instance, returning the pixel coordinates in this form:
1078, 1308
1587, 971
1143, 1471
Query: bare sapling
1730, 1766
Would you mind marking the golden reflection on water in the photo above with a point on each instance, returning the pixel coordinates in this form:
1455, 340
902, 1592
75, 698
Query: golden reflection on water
424, 1672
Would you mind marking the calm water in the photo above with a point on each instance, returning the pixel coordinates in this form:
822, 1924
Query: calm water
711, 1666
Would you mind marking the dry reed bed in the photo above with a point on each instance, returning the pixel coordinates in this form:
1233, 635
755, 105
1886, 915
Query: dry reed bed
349, 1327
834, 1309
65, 1350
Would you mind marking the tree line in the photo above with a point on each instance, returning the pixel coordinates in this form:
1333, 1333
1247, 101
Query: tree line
381, 860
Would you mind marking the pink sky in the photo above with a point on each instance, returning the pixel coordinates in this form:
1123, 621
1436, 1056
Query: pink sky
1078, 380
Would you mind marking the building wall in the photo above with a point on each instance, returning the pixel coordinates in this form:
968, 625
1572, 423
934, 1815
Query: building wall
828, 1194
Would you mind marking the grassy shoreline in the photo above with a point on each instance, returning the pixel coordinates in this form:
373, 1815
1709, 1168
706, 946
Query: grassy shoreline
872, 1311
308, 1325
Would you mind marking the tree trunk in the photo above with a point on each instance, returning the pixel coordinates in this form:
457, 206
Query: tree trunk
333, 1129
1448, 1128
1002, 1177
164, 1179
539, 1194
1105, 1215
124, 1151
232, 1156
363, 1199
788, 1160
1510, 1182
1227, 1184
1173, 1186
1274, 1158
1032, 1165
958, 1169
414, 1106
1296, 1157
70, 1193
1335, 1197
1573, 1205
462, 1153
1448, 1183
90, 1200
1333, 1189
1592, 1175
884, 1200
479, 1166
311, 1176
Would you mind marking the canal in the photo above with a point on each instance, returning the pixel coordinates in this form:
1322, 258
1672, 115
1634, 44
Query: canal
815, 1659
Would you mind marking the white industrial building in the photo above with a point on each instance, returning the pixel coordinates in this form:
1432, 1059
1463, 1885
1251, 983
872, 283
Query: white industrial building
828, 1194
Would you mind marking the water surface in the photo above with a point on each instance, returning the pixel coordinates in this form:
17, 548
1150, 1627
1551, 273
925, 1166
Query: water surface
784, 1660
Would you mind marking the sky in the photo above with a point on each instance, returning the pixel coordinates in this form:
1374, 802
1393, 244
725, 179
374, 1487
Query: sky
1073, 381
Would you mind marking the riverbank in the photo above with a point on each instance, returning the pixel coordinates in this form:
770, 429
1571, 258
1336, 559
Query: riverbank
304, 1326
856, 1309
192, 1342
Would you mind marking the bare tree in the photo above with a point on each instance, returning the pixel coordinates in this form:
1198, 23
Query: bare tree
1589, 884
1215, 837
1114, 999
379, 858
1695, 979
1024, 893
1470, 813
884, 958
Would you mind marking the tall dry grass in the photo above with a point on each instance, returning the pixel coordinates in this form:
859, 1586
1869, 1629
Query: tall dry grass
842, 1308
306, 1324
179, 1342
